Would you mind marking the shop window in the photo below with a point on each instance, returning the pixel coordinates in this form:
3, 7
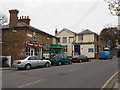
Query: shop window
27, 50
37, 51
90, 50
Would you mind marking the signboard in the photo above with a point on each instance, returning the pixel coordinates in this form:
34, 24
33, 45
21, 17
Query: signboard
31, 44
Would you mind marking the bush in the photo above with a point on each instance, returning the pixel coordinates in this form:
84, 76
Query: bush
5, 65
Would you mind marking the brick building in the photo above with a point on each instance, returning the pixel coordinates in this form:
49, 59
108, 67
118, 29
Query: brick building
20, 39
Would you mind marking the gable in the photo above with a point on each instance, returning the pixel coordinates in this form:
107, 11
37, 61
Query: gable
65, 32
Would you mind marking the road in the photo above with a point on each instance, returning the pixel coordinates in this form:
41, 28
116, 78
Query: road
92, 74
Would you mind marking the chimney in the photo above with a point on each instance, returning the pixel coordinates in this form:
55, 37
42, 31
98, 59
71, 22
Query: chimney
24, 19
56, 31
13, 17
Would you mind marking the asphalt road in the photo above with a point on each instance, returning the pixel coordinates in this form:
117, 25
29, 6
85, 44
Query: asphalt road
92, 74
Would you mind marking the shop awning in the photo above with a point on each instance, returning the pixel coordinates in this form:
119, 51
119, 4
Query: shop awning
54, 45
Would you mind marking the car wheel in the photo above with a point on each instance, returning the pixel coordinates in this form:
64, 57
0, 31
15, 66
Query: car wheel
47, 64
28, 66
59, 63
80, 61
70, 62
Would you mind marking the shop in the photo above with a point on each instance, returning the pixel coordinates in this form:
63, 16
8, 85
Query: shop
51, 49
34, 49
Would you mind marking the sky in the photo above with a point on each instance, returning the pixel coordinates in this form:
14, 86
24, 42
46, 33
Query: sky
75, 15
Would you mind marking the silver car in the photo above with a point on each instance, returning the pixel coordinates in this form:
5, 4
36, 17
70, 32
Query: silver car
30, 61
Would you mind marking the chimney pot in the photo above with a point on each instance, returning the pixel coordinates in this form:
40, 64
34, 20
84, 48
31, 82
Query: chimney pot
56, 31
25, 17
22, 17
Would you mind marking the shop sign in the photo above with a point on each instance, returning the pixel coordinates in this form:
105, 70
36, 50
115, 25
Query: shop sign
34, 44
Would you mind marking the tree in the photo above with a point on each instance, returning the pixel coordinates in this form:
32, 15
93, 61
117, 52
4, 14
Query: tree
110, 35
114, 7
3, 19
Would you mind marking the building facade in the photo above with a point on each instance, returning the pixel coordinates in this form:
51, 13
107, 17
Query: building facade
19, 39
66, 38
88, 43
84, 43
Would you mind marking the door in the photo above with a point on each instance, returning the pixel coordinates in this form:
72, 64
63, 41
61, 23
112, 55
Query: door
39, 61
32, 61
76, 49
32, 52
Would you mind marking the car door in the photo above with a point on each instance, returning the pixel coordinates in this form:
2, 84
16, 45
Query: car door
66, 60
32, 61
40, 61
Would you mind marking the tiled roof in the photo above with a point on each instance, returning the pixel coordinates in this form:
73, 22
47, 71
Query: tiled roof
22, 24
87, 32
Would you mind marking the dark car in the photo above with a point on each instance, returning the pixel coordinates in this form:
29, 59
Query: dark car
118, 53
80, 58
60, 59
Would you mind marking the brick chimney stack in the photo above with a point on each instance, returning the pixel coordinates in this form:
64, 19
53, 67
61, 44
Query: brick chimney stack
24, 19
13, 17
56, 31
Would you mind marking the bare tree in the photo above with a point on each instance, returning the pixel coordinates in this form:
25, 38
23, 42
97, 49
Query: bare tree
114, 7
3, 19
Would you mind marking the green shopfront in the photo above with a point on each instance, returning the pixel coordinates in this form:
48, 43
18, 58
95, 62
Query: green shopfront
52, 49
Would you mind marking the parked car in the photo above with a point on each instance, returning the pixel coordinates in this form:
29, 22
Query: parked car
60, 59
104, 55
31, 61
80, 58
118, 53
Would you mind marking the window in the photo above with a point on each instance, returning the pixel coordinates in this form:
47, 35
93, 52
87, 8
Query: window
80, 37
37, 58
64, 39
27, 50
31, 58
65, 49
54, 40
59, 40
71, 39
90, 50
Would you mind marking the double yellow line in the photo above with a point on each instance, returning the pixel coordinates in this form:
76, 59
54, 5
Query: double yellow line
110, 79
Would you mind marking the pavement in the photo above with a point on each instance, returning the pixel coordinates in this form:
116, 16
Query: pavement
117, 84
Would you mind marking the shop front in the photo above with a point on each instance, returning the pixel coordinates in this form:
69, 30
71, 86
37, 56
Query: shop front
34, 49
50, 50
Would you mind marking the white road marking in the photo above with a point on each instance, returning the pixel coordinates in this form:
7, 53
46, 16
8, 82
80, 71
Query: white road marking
72, 70
29, 84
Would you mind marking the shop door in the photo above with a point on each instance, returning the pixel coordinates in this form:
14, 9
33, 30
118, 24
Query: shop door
77, 50
32, 52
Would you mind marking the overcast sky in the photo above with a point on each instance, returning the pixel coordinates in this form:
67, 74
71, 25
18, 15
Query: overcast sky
76, 15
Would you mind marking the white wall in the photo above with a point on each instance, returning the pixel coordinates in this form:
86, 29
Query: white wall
67, 34
84, 50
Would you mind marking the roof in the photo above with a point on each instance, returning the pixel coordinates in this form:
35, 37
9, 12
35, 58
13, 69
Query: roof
23, 25
66, 30
87, 32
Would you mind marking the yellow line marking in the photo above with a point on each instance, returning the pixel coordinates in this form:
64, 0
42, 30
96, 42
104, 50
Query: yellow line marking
110, 79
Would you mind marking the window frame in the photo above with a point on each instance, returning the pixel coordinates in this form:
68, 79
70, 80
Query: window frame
64, 40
